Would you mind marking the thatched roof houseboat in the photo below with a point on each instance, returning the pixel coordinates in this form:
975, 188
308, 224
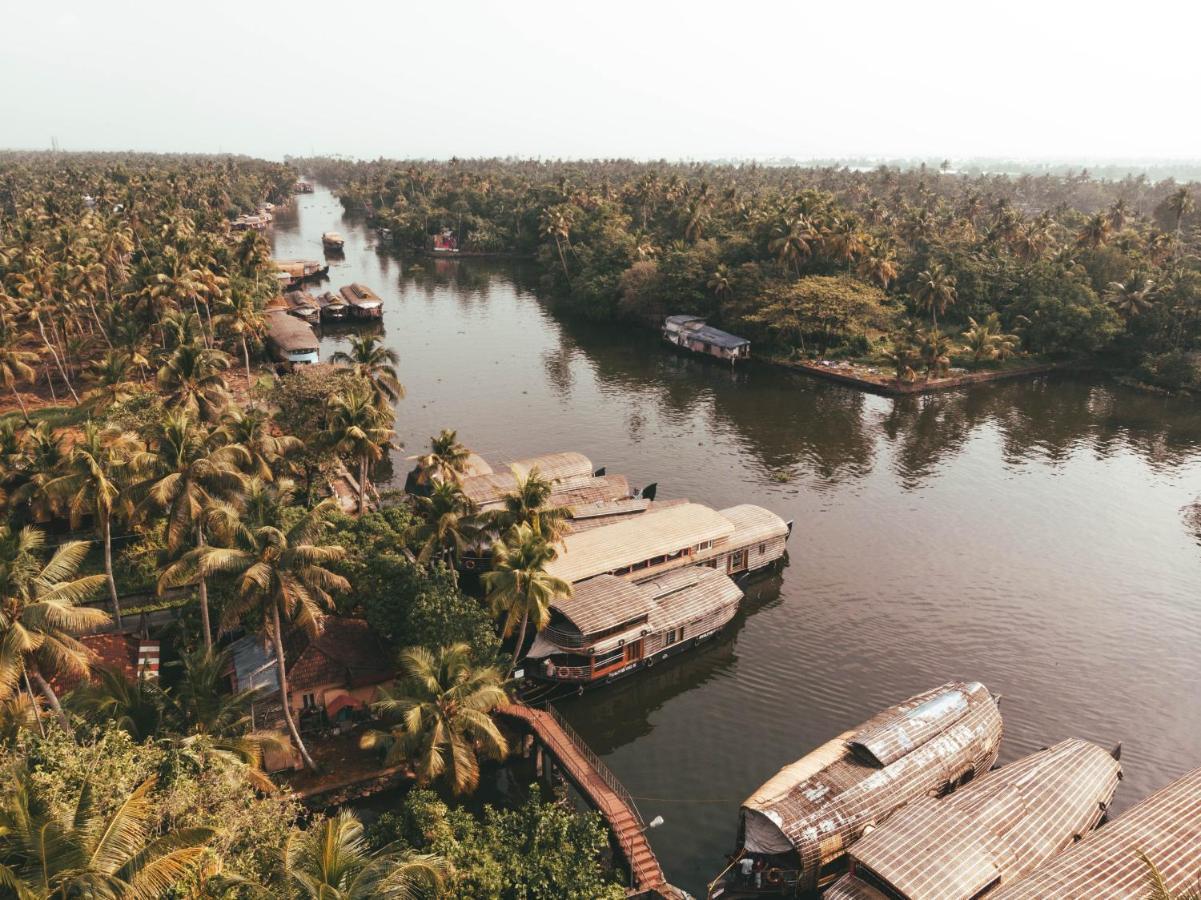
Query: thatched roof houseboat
795, 830
331, 240
303, 305
290, 340
334, 307
609, 627
1109, 864
296, 271
736, 540
565, 471
364, 302
691, 333
992, 832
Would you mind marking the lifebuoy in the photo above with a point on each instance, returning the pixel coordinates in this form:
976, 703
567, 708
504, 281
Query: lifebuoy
774, 875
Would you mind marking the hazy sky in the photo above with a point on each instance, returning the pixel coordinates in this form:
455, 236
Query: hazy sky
1051, 79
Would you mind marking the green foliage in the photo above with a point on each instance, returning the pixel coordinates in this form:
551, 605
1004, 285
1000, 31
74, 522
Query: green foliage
538, 851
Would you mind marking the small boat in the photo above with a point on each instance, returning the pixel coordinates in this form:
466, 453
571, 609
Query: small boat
364, 302
994, 831
333, 307
303, 305
609, 627
298, 271
332, 240
302, 187
795, 830
692, 334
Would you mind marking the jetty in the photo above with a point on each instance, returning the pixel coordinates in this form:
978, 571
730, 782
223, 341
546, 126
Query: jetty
583, 768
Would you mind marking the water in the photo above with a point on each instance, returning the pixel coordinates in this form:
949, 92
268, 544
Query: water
1032, 535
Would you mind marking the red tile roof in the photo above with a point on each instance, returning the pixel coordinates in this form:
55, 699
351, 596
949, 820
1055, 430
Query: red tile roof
347, 652
110, 651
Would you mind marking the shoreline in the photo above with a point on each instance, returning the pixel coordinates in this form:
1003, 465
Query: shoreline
893, 388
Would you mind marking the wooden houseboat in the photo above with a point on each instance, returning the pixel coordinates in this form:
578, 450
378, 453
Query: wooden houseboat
334, 307
691, 333
795, 830
251, 223
364, 302
331, 240
563, 470
291, 341
302, 187
609, 627
299, 271
303, 306
1109, 864
736, 541
992, 832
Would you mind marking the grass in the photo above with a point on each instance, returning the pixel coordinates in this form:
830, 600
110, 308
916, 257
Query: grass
63, 416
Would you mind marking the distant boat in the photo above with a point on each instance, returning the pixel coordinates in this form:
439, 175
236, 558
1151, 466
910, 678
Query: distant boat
333, 307
364, 302
691, 333
445, 243
332, 240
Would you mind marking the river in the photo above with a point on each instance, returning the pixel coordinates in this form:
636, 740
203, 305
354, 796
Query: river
1032, 535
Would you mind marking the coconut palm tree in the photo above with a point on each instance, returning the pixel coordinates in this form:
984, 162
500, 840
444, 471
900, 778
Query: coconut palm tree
1157, 886
241, 317
376, 365
936, 351
80, 852
986, 339
1095, 232
1180, 204
279, 572
518, 587
42, 459
1135, 295
441, 705
185, 473
110, 380
794, 241
93, 484
255, 432
16, 366
192, 381
40, 615
357, 426
447, 527
447, 459
878, 263
934, 290
527, 503
333, 861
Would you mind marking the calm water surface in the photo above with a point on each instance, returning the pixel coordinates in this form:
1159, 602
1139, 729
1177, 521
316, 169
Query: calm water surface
1030, 535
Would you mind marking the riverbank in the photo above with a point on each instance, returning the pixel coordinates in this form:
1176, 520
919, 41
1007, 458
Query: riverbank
877, 383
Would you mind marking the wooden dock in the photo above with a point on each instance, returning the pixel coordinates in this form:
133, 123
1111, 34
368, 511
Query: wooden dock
602, 789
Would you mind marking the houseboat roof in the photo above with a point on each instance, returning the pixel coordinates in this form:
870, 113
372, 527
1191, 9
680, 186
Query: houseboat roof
301, 300
659, 533
707, 334
684, 320
601, 515
557, 468
754, 523
360, 295
1107, 865
604, 601
990, 832
333, 235
289, 333
822, 801
331, 299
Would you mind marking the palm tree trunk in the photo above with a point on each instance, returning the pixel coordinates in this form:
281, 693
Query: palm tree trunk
108, 569
57, 361
95, 315
246, 356
51, 698
281, 672
33, 702
362, 484
562, 258
21, 401
203, 589
525, 619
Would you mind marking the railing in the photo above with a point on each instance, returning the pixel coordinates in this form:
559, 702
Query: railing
569, 640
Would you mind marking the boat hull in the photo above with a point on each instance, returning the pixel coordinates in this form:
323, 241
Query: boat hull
637, 665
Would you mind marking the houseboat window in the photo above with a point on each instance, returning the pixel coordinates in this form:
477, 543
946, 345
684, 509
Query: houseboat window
762, 549
704, 545
624, 570
673, 636
640, 565
712, 564
599, 662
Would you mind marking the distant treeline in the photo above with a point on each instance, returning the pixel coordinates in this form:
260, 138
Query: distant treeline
817, 260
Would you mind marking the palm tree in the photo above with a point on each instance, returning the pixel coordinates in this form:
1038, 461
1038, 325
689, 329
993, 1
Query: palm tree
936, 351
986, 340
188, 471
253, 430
447, 528
333, 861
92, 485
356, 426
1095, 232
1133, 296
110, 379
794, 241
518, 587
447, 459
441, 706
42, 459
243, 319
191, 378
934, 290
79, 852
279, 573
879, 263
1180, 204
1158, 889
15, 367
39, 613
526, 504
135, 707
376, 365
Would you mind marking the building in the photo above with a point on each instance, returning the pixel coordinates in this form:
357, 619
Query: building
691, 333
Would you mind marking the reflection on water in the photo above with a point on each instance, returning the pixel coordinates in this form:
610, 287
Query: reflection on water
1032, 535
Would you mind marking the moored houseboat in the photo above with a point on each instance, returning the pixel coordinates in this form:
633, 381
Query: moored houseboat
691, 333
794, 831
364, 302
563, 470
303, 306
334, 307
291, 341
445, 242
737, 541
331, 240
1112, 862
610, 627
298, 271
302, 187
1002, 826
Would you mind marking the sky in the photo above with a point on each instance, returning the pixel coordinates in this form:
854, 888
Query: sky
676, 80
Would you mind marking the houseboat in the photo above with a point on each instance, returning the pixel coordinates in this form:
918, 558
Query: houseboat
1111, 863
364, 302
302, 187
334, 307
331, 240
303, 306
291, 341
736, 541
251, 223
445, 242
563, 470
795, 830
609, 627
691, 333
992, 832
298, 271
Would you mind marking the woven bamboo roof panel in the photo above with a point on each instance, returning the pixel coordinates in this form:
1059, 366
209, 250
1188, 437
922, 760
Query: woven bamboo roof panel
617, 511
687, 594
993, 831
289, 332
565, 471
602, 602
634, 540
753, 524
554, 467
820, 806
1106, 865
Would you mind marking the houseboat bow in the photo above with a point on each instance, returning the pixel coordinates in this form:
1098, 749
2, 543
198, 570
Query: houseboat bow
795, 830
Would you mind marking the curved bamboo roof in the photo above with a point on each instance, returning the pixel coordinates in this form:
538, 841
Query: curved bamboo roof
754, 523
603, 602
560, 469
993, 831
288, 332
